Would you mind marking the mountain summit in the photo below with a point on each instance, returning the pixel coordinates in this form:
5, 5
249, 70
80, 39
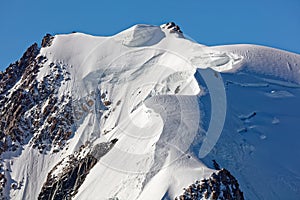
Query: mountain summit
149, 114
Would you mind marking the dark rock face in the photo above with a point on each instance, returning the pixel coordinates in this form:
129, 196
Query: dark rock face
65, 183
172, 27
52, 113
216, 165
13, 73
12, 108
30, 107
221, 185
47, 40
31, 104
69, 183
2, 181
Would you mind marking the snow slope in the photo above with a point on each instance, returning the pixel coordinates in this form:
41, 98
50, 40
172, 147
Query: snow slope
265, 144
166, 99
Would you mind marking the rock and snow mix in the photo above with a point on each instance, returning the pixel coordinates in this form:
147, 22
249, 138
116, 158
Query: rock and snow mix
127, 117
220, 185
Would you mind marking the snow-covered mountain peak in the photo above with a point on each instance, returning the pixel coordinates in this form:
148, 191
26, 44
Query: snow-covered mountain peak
148, 35
140, 35
142, 114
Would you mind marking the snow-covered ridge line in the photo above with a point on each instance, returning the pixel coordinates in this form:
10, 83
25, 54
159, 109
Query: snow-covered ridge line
267, 61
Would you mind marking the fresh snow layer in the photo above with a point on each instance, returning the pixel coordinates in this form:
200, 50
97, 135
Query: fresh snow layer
163, 100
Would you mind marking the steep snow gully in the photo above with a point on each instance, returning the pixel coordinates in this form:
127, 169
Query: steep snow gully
148, 111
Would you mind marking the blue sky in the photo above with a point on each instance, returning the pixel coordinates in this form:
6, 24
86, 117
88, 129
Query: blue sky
274, 23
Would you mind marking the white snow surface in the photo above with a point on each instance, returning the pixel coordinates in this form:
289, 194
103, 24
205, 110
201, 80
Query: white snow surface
160, 113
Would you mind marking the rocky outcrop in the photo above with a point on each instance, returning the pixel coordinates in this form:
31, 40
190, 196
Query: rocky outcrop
13, 104
35, 111
67, 176
172, 27
32, 104
47, 40
3, 180
220, 185
70, 181
30, 109
13, 73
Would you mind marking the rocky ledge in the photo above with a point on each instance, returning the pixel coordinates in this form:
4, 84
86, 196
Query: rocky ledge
219, 186
64, 180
